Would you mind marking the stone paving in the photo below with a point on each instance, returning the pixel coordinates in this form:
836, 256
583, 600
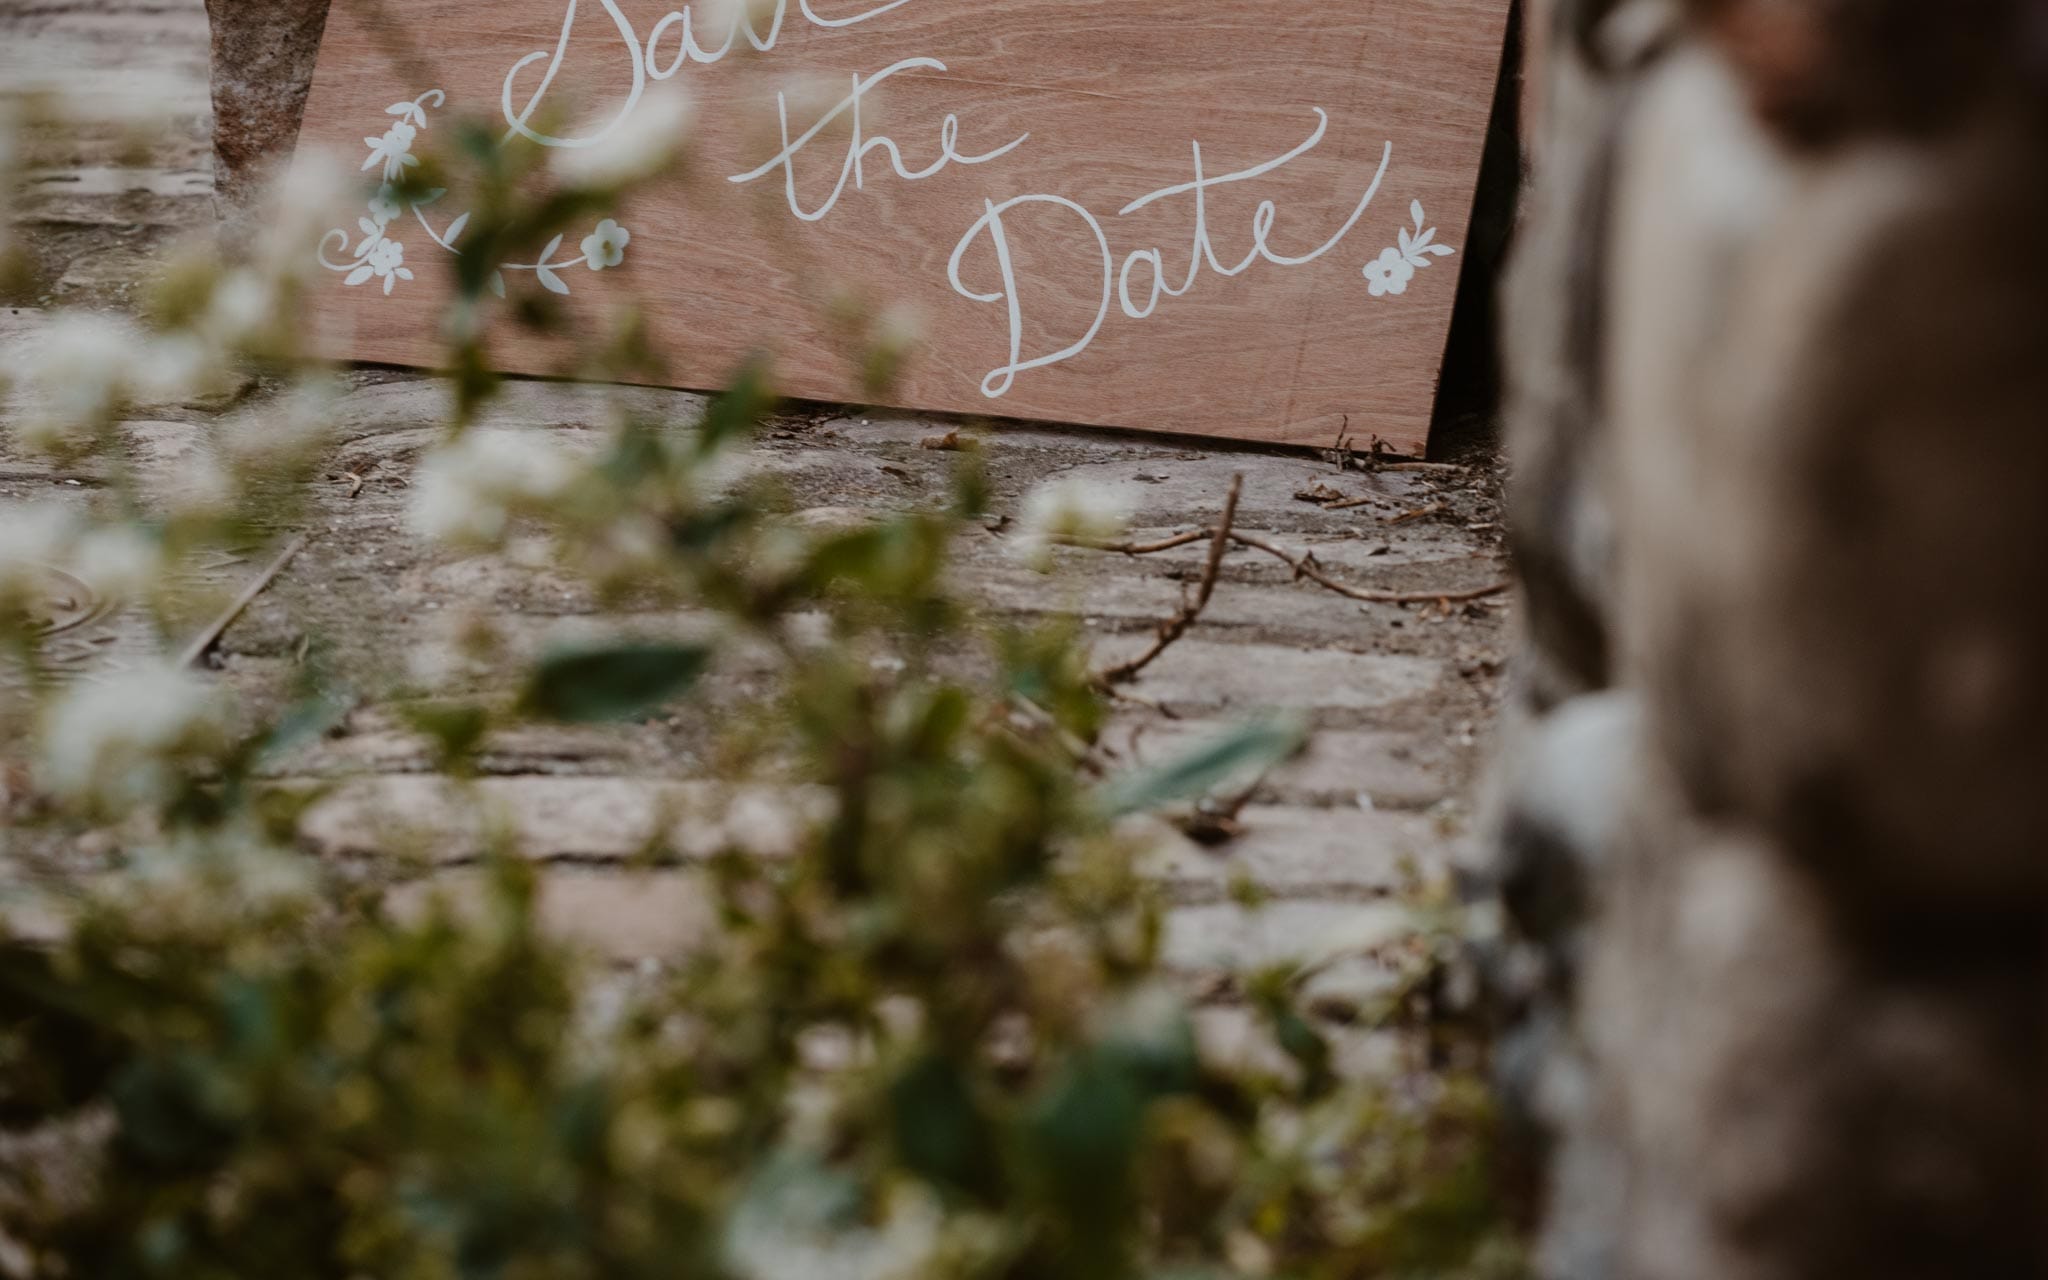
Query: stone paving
1401, 698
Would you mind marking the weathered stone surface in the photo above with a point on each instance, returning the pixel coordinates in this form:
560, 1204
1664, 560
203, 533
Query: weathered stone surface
595, 819
1330, 853
1210, 676
1339, 768
263, 52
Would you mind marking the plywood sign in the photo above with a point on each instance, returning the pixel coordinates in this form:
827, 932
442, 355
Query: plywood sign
1238, 219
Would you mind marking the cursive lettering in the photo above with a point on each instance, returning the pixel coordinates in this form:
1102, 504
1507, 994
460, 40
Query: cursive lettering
858, 145
1117, 280
641, 58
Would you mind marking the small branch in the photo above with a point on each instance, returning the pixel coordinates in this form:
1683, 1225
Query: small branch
1304, 565
1146, 548
1368, 499
203, 643
1433, 509
1177, 626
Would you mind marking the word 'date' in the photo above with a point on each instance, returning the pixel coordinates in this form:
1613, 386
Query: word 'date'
1240, 221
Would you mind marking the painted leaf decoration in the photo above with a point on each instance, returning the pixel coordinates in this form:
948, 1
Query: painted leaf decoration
398, 108
455, 228
430, 197
359, 275
549, 280
549, 252
498, 283
1439, 249
1415, 207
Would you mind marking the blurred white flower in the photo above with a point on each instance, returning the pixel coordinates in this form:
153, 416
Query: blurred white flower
174, 368
120, 562
897, 330
243, 308
467, 492
33, 537
117, 743
741, 16
282, 434
302, 207
606, 246
1067, 510
73, 378
199, 488
795, 1227
637, 148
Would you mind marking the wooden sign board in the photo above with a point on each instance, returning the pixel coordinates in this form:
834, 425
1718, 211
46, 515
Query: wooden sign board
1237, 219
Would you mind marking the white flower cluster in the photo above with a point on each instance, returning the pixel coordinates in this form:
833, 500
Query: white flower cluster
128, 739
1066, 510
467, 492
79, 373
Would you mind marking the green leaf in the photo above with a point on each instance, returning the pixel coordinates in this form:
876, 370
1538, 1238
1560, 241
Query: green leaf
618, 682
458, 730
938, 1129
1249, 748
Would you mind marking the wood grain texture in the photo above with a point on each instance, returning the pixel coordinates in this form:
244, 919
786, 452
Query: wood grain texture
1114, 99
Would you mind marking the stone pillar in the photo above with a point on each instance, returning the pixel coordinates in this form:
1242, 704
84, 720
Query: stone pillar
263, 53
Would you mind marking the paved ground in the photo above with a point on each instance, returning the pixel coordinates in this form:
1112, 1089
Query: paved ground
1401, 697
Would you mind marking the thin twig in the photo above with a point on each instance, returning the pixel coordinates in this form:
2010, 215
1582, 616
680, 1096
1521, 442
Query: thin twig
203, 643
1349, 503
1148, 548
1304, 565
1433, 509
1177, 626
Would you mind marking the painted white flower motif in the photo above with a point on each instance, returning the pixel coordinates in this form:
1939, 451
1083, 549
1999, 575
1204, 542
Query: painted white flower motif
376, 255
384, 206
385, 261
1394, 268
393, 150
606, 246
1389, 273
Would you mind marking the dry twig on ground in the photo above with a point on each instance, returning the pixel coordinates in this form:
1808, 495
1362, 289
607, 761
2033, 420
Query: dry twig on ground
202, 644
1304, 564
1177, 626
